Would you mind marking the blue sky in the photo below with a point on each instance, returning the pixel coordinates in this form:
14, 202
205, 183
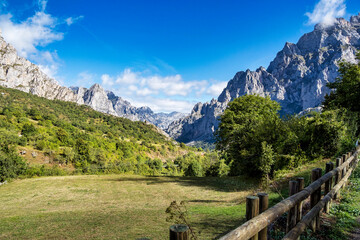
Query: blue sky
164, 54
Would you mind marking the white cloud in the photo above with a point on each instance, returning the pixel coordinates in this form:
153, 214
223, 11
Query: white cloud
216, 88
107, 80
164, 104
85, 79
128, 77
326, 11
26, 36
48, 62
161, 93
36, 31
71, 20
172, 85
42, 5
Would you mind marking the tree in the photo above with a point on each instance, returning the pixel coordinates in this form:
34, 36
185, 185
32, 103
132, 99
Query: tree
28, 130
346, 88
246, 123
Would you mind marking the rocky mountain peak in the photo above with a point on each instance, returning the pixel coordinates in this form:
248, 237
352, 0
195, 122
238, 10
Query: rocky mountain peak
19, 73
296, 78
355, 20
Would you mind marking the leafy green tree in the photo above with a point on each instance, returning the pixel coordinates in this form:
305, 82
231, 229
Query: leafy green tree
62, 135
11, 165
246, 123
346, 88
194, 169
28, 130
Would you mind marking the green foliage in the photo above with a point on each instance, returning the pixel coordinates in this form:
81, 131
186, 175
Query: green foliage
219, 169
347, 211
347, 88
246, 123
255, 141
28, 130
92, 142
194, 169
11, 165
266, 160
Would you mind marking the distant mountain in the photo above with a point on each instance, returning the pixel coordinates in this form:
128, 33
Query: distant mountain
296, 78
18, 73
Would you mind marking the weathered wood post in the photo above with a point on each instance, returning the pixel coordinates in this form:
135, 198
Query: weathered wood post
318, 198
252, 210
346, 169
314, 197
263, 206
344, 158
179, 232
328, 185
292, 215
301, 185
337, 178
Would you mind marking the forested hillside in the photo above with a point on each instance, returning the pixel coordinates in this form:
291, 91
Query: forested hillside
55, 136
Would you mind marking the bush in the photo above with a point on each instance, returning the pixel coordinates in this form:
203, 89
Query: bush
194, 169
11, 165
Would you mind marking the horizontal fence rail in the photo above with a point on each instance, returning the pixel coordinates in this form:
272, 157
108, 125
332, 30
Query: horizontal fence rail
293, 204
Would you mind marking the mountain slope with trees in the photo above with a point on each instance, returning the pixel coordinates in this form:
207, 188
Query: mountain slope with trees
55, 133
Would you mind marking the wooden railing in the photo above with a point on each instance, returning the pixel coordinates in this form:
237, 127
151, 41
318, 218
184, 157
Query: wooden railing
255, 227
259, 217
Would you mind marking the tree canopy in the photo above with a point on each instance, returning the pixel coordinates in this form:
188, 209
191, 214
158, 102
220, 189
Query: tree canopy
247, 122
346, 88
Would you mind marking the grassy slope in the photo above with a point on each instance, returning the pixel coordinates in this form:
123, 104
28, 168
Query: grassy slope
121, 206
101, 132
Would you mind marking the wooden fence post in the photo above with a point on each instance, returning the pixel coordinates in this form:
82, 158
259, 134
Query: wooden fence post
292, 214
328, 185
179, 232
263, 206
344, 158
314, 197
318, 198
252, 210
337, 178
301, 185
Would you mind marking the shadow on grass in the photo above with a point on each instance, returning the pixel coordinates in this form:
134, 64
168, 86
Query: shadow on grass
225, 184
205, 201
217, 227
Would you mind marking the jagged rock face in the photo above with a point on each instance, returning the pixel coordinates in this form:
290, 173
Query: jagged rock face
97, 99
200, 124
123, 108
296, 78
19, 73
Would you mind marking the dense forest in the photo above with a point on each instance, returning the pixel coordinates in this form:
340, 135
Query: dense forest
50, 137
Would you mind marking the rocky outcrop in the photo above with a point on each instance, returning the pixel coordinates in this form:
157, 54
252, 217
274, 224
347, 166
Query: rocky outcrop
296, 78
19, 73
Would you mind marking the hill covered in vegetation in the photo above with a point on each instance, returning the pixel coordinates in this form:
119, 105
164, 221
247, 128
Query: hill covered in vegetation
63, 136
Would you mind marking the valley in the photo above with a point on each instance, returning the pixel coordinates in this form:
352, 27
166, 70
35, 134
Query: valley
84, 163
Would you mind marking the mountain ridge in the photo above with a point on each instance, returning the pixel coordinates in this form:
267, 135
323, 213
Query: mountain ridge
19, 73
296, 78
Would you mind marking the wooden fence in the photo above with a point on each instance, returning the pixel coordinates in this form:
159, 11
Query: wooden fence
259, 217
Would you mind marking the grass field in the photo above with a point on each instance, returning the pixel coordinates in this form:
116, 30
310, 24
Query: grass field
116, 207
122, 206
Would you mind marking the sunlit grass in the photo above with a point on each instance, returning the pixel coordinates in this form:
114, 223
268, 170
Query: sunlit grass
124, 206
